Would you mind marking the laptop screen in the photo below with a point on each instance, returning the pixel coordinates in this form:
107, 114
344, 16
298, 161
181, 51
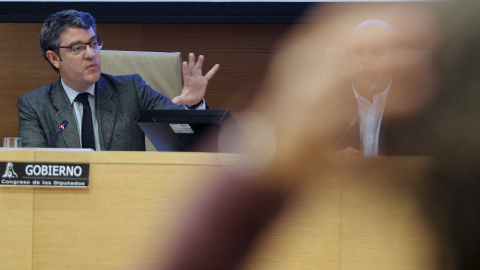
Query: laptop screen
187, 130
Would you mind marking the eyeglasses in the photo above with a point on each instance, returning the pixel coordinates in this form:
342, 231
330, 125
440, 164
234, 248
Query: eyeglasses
79, 48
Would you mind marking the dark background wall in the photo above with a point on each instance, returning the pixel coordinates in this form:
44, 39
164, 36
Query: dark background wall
160, 12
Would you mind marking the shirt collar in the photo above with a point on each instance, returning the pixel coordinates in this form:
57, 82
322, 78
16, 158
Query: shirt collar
376, 98
72, 94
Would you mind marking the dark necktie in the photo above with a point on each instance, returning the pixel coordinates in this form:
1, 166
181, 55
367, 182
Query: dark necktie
88, 138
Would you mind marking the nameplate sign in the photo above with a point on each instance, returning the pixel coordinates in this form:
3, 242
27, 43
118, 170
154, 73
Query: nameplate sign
62, 175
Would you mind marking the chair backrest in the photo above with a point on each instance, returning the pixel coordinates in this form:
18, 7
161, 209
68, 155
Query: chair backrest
161, 70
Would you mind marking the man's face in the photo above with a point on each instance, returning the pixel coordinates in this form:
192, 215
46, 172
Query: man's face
369, 56
83, 70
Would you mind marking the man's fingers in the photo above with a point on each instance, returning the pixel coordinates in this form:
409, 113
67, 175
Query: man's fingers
191, 61
178, 99
199, 63
190, 68
212, 72
185, 70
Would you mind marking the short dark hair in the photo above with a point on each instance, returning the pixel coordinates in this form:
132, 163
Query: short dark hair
58, 22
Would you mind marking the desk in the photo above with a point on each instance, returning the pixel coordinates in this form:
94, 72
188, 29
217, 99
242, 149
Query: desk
347, 220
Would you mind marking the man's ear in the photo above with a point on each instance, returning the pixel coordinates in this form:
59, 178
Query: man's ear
53, 58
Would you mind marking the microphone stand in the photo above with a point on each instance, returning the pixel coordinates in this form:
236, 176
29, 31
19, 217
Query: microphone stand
60, 129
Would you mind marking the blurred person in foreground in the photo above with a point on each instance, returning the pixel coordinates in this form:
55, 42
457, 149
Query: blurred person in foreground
102, 110
452, 194
219, 233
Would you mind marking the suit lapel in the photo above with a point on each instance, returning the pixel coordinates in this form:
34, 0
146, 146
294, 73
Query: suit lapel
385, 140
350, 134
106, 110
70, 135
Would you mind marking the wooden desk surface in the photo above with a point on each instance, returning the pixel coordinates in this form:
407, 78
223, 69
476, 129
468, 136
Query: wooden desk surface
347, 220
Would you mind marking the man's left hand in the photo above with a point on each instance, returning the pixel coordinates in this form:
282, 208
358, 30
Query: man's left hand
194, 83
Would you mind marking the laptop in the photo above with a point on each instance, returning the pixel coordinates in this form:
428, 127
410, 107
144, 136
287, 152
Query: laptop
188, 130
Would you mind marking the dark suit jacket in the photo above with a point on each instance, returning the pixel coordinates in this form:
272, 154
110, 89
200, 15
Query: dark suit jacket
119, 101
391, 140
396, 137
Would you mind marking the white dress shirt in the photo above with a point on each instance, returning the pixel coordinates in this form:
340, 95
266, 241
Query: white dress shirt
78, 109
370, 114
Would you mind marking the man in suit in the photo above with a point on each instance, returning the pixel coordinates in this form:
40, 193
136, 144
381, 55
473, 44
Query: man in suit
374, 86
371, 84
70, 44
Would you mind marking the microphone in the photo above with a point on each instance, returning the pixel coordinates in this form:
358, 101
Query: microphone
61, 128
